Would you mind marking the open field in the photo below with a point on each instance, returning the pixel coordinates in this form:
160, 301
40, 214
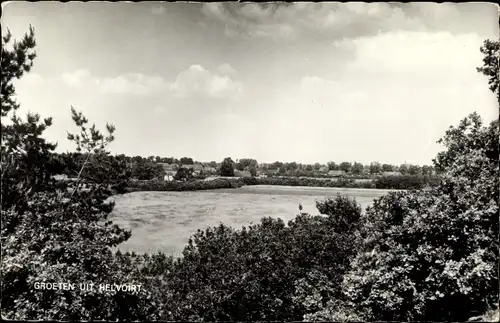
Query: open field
164, 221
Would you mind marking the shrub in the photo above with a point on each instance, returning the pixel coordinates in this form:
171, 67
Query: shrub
433, 254
55, 231
259, 272
192, 185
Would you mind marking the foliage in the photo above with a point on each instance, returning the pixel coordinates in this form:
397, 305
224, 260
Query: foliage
257, 273
405, 182
192, 185
54, 231
433, 254
147, 170
426, 254
183, 174
387, 168
15, 62
186, 161
27, 163
332, 166
227, 167
345, 166
389, 182
357, 168
491, 64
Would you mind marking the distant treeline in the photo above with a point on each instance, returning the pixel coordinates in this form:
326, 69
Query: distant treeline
384, 182
177, 186
150, 168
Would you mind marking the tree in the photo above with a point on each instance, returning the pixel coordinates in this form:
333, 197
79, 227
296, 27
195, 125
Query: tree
227, 167
291, 166
375, 168
147, 170
186, 161
239, 166
275, 165
403, 169
491, 65
414, 169
427, 170
54, 231
183, 174
289, 264
387, 168
253, 171
332, 166
213, 164
248, 162
168, 160
23, 150
15, 62
357, 168
432, 254
345, 166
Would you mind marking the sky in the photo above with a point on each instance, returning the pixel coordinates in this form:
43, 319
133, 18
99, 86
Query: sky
305, 82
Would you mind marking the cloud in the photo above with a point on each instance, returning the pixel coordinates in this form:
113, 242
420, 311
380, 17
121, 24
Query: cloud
197, 80
337, 20
77, 78
290, 20
133, 83
400, 82
415, 54
226, 69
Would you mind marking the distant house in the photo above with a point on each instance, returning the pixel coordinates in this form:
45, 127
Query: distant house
323, 169
392, 174
210, 170
170, 170
168, 167
336, 173
198, 167
168, 178
242, 173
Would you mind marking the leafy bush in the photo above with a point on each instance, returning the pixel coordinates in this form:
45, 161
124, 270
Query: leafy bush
192, 185
55, 231
433, 254
396, 182
258, 272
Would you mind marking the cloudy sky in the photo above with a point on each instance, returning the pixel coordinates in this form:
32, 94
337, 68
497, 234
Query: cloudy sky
305, 81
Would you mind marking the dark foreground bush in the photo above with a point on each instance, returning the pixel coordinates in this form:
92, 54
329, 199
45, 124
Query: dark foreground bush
266, 271
432, 254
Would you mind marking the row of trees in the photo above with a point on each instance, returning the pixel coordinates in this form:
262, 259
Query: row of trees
416, 255
354, 168
149, 168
